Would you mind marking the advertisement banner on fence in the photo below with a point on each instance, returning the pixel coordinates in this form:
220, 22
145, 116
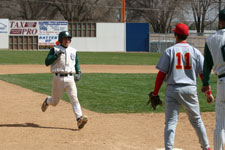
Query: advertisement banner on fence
49, 31
25, 28
4, 24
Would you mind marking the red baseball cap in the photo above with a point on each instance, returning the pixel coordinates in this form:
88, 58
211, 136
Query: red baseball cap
181, 29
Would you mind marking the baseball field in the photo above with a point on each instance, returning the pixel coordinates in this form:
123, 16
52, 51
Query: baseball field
113, 93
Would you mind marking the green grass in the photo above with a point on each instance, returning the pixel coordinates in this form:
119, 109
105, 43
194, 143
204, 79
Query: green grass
108, 93
22, 57
119, 58
38, 57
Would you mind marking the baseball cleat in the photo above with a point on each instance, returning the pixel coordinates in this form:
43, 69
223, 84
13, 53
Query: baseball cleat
44, 105
82, 121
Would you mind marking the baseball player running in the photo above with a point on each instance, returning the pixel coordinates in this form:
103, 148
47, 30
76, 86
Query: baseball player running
64, 63
181, 63
215, 57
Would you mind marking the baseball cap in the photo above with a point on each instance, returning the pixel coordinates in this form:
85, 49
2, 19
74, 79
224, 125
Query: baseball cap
222, 15
181, 29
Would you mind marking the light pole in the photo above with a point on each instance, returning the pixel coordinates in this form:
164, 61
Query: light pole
122, 10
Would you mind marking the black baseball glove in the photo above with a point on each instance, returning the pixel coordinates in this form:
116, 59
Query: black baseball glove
154, 100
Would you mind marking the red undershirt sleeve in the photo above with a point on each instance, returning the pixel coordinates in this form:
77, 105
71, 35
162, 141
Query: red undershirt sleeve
158, 82
201, 76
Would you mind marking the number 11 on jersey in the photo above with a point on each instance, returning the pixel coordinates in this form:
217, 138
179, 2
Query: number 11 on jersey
187, 62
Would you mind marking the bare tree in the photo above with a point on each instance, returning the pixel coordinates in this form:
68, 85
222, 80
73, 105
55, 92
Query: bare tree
32, 9
28, 9
6, 11
76, 10
200, 8
219, 5
159, 13
133, 13
107, 11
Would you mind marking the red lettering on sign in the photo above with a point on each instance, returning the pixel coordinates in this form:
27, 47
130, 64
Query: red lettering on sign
29, 31
30, 24
35, 23
11, 24
16, 25
15, 31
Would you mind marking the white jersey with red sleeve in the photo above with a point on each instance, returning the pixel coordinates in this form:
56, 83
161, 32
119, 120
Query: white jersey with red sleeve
181, 63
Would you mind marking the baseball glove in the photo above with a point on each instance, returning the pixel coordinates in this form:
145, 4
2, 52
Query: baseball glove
59, 52
77, 76
154, 100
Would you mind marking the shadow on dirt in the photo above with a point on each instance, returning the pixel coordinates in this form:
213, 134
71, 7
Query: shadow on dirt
33, 125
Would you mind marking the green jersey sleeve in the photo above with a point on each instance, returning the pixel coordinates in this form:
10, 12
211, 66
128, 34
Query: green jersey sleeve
51, 57
208, 65
77, 65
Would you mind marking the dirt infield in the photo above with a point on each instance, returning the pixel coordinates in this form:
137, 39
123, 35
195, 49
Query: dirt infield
18, 69
24, 127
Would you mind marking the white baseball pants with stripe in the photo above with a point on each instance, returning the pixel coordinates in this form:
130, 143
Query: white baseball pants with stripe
61, 84
219, 132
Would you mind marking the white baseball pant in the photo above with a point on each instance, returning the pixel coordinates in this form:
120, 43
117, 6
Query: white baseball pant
61, 84
177, 95
220, 116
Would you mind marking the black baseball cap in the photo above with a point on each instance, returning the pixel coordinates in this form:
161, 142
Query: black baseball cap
222, 15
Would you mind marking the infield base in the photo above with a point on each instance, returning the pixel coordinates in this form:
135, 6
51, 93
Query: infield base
173, 149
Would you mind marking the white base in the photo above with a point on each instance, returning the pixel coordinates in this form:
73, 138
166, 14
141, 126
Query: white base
173, 149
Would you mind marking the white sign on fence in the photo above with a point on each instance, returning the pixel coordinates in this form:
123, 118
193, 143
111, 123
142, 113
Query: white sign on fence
29, 28
4, 24
48, 32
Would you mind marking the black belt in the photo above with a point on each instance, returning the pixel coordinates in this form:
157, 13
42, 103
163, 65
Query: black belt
221, 76
63, 75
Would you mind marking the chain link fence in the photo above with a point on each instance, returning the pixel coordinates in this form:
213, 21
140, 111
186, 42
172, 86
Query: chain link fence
159, 42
